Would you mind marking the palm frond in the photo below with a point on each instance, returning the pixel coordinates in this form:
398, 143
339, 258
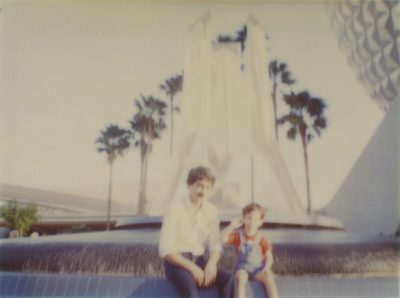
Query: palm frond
113, 140
287, 79
300, 104
316, 106
148, 121
273, 69
292, 119
282, 67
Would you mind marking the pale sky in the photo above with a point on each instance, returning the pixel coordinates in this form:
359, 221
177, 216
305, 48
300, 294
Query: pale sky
69, 68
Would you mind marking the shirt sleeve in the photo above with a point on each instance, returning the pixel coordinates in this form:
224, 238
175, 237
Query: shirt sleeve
214, 243
234, 239
168, 232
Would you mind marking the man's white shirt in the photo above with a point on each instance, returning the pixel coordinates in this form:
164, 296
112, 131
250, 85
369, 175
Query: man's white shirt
187, 229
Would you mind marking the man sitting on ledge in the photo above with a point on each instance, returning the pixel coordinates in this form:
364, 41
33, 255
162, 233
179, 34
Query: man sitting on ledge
188, 227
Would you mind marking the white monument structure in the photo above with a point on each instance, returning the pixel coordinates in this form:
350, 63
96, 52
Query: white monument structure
226, 123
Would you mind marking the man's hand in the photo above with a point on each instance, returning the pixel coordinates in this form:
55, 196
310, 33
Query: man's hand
210, 273
198, 275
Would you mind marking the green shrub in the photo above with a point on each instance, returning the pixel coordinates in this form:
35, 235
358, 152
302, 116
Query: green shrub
18, 217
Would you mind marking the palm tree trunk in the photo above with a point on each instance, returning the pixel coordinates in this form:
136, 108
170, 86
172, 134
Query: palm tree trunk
275, 110
109, 197
252, 178
172, 126
146, 167
141, 203
145, 152
304, 141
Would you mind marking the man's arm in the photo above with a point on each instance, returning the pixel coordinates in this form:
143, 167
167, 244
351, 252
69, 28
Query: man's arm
167, 246
210, 271
215, 248
168, 233
179, 260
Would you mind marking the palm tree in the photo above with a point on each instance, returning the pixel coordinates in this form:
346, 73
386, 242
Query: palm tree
305, 112
171, 87
241, 36
279, 74
148, 122
113, 140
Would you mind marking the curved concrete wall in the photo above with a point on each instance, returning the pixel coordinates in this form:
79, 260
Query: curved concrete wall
369, 201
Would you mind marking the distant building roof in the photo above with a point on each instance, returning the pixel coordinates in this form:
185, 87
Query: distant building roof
52, 203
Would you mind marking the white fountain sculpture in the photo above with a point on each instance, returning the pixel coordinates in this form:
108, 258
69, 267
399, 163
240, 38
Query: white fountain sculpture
226, 123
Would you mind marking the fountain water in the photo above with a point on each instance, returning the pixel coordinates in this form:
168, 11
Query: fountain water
134, 252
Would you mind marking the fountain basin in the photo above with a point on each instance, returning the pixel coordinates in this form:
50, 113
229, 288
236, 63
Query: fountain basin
125, 262
135, 253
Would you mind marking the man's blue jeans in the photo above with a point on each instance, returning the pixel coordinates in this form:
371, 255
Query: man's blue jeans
186, 286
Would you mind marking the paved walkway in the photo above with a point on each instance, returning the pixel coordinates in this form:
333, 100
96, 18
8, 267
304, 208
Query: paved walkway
63, 285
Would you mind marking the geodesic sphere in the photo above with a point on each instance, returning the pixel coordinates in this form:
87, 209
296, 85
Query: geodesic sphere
369, 33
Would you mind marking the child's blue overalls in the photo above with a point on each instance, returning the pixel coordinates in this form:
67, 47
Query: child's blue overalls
250, 257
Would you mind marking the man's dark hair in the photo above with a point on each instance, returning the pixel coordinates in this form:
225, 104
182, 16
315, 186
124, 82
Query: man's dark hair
200, 173
251, 207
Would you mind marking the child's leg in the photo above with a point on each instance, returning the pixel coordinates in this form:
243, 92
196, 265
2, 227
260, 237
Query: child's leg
241, 277
268, 280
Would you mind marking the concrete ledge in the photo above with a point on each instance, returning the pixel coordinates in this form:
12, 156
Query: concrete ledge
14, 284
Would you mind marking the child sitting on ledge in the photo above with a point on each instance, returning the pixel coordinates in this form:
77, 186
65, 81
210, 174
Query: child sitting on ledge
254, 252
